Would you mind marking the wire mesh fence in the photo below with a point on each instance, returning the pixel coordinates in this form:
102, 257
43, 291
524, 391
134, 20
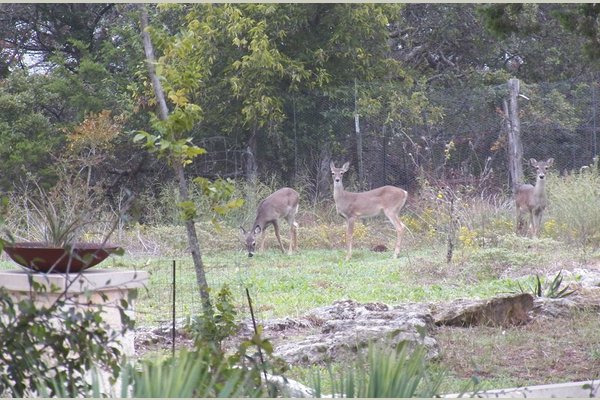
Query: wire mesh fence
468, 146
173, 292
466, 143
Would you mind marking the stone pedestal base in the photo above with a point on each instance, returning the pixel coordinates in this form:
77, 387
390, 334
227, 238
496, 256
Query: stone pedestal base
87, 289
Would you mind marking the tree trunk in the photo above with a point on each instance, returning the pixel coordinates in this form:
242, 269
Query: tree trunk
359, 141
324, 182
163, 113
251, 171
513, 126
251, 167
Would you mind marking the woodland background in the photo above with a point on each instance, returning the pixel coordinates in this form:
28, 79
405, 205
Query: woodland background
412, 95
402, 91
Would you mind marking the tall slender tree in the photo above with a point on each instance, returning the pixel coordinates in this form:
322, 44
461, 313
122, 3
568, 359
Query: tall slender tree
177, 151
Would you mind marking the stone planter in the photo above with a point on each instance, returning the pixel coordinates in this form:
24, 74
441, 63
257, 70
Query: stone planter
88, 289
42, 257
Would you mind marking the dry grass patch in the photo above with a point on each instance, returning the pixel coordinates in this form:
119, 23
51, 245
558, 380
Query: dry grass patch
542, 352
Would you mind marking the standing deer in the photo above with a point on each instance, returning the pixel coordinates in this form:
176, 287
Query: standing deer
280, 204
351, 206
532, 199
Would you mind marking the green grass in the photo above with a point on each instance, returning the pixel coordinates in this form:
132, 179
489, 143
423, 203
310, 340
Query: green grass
290, 285
488, 260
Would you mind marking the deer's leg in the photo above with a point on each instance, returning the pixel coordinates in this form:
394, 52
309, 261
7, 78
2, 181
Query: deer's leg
531, 224
536, 222
349, 233
293, 236
519, 223
263, 237
276, 227
393, 217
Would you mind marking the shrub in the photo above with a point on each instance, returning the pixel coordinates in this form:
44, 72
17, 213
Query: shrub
459, 214
59, 343
216, 324
574, 200
206, 370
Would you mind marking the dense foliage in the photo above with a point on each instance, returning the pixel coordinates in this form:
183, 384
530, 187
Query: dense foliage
271, 90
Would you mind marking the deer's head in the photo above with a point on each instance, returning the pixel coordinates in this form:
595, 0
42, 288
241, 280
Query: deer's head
249, 239
338, 173
541, 167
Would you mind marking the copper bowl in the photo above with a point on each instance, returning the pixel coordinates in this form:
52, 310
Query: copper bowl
42, 257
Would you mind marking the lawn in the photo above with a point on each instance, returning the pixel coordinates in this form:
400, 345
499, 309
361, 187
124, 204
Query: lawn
541, 352
290, 285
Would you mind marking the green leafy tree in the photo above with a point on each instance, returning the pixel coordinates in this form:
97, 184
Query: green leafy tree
171, 143
26, 131
257, 57
48, 30
582, 19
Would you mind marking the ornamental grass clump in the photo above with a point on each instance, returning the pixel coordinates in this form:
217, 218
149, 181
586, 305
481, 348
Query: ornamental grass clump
71, 211
402, 373
573, 205
60, 216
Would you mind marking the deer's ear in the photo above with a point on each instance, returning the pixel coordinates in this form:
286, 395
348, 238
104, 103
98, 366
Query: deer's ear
533, 162
346, 166
242, 235
550, 161
332, 165
257, 230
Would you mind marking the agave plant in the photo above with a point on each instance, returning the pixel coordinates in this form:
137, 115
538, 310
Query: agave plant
385, 373
551, 290
59, 216
187, 374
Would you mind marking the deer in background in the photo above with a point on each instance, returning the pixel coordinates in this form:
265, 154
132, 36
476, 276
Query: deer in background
280, 204
351, 206
531, 199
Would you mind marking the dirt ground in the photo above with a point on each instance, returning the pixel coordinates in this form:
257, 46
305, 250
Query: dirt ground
548, 349
544, 351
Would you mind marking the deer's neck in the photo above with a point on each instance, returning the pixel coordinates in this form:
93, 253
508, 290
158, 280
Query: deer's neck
260, 222
338, 191
539, 190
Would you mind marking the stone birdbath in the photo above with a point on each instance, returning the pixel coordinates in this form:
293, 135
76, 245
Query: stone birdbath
66, 271
47, 258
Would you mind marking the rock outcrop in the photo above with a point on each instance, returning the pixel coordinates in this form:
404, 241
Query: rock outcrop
344, 328
499, 311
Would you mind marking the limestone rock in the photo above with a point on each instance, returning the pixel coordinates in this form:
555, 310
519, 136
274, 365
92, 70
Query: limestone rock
346, 327
499, 311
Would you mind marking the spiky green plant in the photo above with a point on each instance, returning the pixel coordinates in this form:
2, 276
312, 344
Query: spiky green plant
190, 374
551, 290
385, 373
61, 215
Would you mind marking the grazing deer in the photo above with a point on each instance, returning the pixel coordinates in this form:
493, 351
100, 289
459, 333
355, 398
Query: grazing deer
351, 206
280, 204
532, 199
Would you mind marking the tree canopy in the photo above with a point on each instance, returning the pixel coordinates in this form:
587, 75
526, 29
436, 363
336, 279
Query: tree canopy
273, 90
